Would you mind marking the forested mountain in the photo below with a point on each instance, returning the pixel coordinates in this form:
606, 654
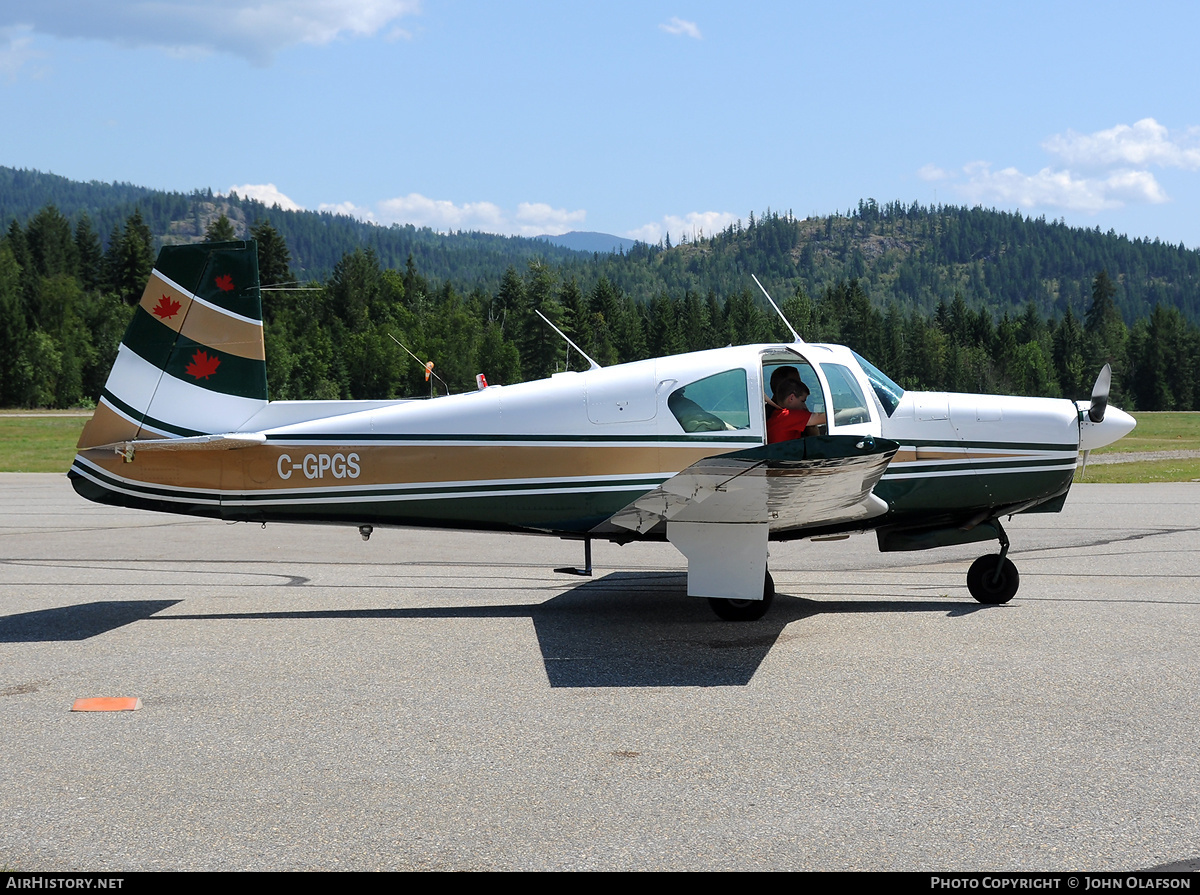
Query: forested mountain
944, 298
590, 241
916, 255
317, 240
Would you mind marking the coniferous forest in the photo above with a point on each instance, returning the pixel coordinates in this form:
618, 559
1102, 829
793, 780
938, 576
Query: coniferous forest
943, 298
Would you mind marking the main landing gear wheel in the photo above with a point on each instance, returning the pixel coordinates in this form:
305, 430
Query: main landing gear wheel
745, 610
993, 579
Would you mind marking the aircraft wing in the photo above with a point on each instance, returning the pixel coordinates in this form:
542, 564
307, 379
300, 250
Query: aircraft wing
793, 484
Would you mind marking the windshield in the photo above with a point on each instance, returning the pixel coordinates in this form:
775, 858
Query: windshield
888, 393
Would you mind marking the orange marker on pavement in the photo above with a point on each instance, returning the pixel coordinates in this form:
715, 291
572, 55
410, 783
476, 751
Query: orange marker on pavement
108, 704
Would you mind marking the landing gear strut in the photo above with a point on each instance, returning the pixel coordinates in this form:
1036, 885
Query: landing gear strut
587, 562
745, 610
992, 579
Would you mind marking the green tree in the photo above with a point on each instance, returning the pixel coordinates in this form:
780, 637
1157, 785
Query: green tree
274, 259
129, 259
220, 230
1107, 335
663, 335
14, 330
51, 245
497, 357
89, 253
604, 305
1068, 356
1163, 356
543, 351
798, 308
508, 307
695, 323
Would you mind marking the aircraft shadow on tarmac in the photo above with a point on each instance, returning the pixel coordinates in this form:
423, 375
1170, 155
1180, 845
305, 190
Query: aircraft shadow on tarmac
77, 622
626, 629
632, 629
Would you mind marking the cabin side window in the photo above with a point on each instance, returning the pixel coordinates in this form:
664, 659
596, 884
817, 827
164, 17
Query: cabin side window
847, 399
716, 403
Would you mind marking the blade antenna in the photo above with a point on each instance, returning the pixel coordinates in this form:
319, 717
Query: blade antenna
594, 365
421, 362
777, 311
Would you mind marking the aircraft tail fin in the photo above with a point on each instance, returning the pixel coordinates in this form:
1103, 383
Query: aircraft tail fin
192, 360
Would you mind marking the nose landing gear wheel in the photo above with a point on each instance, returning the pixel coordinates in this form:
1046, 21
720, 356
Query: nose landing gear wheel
993, 579
745, 610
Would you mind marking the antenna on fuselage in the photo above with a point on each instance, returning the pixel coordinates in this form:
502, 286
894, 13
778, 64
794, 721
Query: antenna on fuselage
428, 365
777, 311
594, 365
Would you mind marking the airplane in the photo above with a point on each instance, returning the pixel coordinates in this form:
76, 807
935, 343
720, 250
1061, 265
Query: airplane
670, 448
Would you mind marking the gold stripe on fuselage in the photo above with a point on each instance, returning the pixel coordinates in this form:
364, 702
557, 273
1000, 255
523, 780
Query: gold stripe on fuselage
302, 467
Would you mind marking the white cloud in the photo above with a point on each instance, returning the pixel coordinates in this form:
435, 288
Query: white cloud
1049, 188
529, 218
536, 218
266, 193
349, 209
1105, 170
442, 214
16, 49
1144, 143
253, 29
682, 27
694, 225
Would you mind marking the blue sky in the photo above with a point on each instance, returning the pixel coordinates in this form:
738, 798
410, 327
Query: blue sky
628, 118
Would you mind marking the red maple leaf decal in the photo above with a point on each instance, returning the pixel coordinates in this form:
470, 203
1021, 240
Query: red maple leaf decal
166, 307
202, 366
225, 282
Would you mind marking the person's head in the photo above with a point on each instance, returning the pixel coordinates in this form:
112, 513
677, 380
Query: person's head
781, 374
791, 394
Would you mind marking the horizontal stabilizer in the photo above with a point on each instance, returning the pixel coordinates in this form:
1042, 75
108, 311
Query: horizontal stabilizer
231, 442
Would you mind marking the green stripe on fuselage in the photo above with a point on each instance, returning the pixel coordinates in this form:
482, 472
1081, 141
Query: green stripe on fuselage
538, 505
983, 467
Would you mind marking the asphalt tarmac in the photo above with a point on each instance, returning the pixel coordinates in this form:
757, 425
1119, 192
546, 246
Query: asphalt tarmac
446, 701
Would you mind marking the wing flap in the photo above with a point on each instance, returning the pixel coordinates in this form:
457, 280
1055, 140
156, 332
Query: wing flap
794, 484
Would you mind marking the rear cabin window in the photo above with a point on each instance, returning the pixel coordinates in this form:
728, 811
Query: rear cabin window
848, 401
717, 403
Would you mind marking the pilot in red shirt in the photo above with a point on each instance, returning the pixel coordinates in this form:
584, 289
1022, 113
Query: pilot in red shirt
794, 416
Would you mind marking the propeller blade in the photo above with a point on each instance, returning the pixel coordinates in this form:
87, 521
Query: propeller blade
1083, 471
1100, 395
